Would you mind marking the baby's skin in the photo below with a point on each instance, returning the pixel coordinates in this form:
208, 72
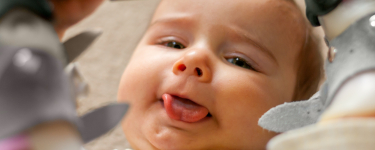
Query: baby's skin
206, 71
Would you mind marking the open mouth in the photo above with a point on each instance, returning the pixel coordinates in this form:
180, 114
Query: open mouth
184, 109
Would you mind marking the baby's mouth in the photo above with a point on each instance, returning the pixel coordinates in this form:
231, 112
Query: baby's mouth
184, 109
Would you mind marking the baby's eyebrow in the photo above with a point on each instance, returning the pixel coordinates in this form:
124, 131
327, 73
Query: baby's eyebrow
181, 19
248, 38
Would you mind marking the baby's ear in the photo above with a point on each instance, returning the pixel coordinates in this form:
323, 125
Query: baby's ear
293, 115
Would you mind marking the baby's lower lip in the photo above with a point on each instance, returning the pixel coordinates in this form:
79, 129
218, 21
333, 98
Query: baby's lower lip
184, 110
162, 104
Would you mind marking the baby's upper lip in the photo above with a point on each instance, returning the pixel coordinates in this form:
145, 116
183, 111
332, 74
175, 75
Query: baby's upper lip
184, 96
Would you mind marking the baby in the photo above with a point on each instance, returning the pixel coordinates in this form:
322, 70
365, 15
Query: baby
207, 70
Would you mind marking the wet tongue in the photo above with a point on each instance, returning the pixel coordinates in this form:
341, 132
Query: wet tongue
183, 109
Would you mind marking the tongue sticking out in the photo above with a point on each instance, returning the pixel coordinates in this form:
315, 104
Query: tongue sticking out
183, 109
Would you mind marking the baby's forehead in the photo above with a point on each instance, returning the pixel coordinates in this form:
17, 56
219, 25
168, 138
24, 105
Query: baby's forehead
224, 5
270, 21
255, 11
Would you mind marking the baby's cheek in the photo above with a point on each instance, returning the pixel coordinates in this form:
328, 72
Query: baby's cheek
129, 83
121, 93
141, 77
247, 93
252, 90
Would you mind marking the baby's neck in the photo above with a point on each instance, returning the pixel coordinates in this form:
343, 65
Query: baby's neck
349, 11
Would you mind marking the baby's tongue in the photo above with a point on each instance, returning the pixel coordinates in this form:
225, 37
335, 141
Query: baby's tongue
183, 109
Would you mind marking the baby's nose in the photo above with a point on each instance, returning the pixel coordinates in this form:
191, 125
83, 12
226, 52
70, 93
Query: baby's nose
194, 63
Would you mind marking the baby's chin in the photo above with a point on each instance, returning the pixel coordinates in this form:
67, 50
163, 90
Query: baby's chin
172, 139
163, 136
156, 137
166, 139
151, 131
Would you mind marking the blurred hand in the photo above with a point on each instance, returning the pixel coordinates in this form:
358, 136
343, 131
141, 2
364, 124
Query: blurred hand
69, 12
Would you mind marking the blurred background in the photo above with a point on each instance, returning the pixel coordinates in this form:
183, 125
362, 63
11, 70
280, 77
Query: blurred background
123, 22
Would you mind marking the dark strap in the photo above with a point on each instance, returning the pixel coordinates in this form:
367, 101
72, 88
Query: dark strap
315, 8
40, 7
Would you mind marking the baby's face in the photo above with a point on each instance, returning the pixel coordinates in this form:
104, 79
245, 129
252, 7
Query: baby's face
206, 71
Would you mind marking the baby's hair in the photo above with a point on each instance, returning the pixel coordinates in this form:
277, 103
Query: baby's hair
310, 65
310, 68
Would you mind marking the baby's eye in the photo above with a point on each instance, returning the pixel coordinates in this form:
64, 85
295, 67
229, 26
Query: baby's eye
240, 62
173, 44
